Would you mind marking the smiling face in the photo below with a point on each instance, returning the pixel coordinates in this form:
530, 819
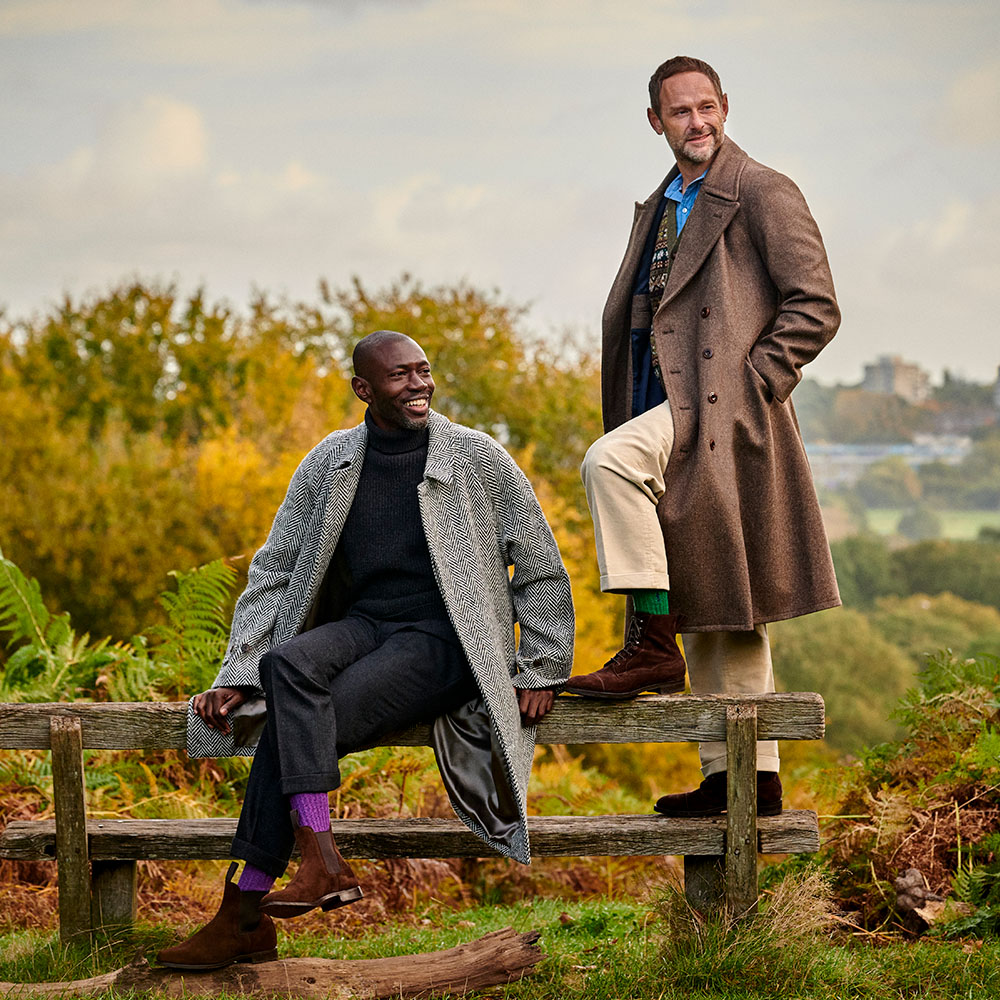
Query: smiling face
394, 379
692, 116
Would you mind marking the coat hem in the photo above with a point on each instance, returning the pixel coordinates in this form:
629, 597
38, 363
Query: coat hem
765, 619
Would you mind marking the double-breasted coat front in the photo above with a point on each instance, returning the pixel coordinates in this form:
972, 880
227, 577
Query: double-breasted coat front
748, 302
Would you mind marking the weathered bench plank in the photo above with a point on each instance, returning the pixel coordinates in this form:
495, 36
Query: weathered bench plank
649, 719
794, 831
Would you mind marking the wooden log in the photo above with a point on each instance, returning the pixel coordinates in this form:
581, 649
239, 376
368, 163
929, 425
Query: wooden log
649, 719
113, 894
494, 959
741, 810
70, 828
794, 831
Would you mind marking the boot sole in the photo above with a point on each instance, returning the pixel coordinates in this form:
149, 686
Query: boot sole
626, 695
332, 901
255, 958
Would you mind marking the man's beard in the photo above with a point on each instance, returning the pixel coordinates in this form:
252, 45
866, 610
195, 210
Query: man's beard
698, 154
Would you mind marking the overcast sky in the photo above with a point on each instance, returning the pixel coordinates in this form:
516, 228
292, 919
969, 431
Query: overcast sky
243, 143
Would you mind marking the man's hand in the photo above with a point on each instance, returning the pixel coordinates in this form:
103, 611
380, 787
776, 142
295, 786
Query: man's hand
213, 706
534, 704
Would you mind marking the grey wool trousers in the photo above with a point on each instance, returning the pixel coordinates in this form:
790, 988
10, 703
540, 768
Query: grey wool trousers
331, 691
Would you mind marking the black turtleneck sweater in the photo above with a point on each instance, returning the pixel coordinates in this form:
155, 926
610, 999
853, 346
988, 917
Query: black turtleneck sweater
383, 539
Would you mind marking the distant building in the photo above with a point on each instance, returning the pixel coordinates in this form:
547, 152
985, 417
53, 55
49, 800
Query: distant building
835, 466
892, 375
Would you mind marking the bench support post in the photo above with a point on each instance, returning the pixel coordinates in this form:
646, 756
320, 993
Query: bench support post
741, 810
704, 887
114, 893
66, 741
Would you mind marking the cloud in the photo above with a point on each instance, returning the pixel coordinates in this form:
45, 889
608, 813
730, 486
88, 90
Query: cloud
150, 139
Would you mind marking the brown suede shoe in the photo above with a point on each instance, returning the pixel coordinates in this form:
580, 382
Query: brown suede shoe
649, 661
324, 878
239, 932
709, 798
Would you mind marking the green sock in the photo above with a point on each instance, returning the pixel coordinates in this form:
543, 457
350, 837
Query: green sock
651, 602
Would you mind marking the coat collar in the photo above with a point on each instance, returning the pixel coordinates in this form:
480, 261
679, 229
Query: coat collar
718, 202
440, 453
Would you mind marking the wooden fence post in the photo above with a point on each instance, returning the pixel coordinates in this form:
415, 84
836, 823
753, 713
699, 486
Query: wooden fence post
741, 810
704, 887
113, 904
66, 742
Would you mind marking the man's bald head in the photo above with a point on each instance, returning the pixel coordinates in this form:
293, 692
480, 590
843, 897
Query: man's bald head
369, 349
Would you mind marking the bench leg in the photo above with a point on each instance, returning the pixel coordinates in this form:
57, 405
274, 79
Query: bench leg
113, 885
66, 743
703, 882
741, 810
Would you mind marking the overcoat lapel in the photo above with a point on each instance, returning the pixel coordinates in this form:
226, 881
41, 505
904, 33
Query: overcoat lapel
645, 213
616, 355
339, 486
714, 209
708, 222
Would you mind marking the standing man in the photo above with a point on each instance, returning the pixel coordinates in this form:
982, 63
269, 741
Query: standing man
723, 295
382, 598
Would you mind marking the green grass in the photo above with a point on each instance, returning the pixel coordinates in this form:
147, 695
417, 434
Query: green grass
614, 949
960, 525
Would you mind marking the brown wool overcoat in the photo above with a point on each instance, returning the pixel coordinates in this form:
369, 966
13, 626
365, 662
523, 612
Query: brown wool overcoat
749, 301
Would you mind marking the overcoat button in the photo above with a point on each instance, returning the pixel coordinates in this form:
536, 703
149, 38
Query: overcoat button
712, 397
705, 312
707, 353
246, 647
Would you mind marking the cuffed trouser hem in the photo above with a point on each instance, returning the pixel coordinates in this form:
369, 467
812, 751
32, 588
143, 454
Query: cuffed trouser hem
297, 783
766, 761
619, 584
245, 851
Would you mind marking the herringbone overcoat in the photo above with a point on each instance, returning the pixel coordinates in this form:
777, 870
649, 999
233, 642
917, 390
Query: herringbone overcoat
480, 516
748, 302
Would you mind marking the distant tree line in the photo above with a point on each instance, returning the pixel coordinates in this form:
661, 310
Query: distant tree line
851, 415
145, 431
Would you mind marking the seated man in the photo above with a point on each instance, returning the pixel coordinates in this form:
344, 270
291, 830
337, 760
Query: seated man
380, 599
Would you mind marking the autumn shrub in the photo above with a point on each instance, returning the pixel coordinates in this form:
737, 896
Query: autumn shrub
928, 801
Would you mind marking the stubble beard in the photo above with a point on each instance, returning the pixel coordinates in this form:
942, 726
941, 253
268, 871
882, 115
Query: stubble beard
698, 154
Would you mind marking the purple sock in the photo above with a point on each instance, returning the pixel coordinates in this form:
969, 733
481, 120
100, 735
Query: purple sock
313, 809
254, 880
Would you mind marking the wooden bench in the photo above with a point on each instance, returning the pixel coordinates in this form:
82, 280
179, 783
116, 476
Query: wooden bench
97, 857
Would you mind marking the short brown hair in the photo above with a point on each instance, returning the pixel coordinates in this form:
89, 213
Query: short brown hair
680, 64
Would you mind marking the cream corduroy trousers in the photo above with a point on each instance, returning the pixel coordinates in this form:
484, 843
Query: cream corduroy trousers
623, 475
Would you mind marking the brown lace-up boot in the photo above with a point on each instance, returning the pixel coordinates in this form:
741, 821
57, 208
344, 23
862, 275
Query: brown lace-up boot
324, 878
649, 661
239, 932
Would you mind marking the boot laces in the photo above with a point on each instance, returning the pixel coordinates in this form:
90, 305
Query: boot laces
633, 637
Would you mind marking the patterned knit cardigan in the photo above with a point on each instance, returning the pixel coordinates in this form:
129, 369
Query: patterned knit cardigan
480, 516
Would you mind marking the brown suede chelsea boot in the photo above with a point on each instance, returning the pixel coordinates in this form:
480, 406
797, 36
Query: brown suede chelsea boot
324, 878
709, 798
239, 932
649, 661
